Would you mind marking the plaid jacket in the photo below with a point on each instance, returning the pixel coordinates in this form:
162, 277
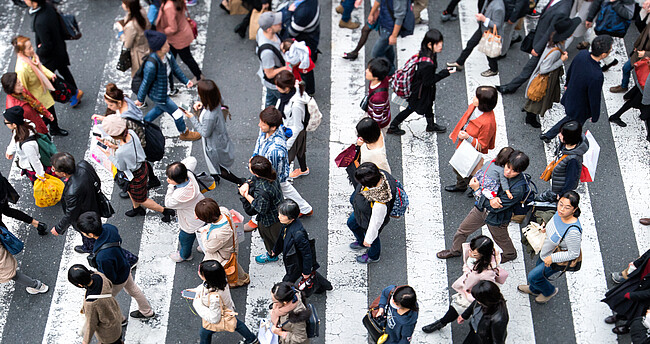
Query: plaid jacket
274, 148
267, 195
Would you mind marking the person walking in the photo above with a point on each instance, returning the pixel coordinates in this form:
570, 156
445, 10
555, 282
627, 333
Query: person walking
102, 313
623, 10
488, 315
50, 44
345, 10
154, 84
9, 271
17, 95
132, 27
515, 11
401, 310
289, 314
303, 18
9, 194
270, 54
390, 16
584, 86
36, 80
640, 47
112, 262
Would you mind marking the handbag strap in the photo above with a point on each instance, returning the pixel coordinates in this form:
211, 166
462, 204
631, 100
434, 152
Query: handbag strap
377, 90
565, 232
485, 172
552, 50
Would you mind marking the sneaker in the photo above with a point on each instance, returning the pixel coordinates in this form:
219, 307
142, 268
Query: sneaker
265, 258
339, 9
617, 277
448, 16
310, 213
250, 226
191, 3
41, 290
488, 73
173, 92
189, 135
583, 45
176, 256
618, 89
618, 121
525, 288
356, 246
395, 131
139, 315
458, 66
364, 259
541, 299
76, 99
349, 24
298, 172
609, 65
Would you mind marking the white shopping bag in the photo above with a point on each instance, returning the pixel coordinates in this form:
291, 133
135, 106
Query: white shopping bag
590, 159
265, 336
465, 159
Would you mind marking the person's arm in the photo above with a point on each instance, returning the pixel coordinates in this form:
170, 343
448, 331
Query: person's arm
279, 245
646, 93
273, 71
128, 38
383, 298
572, 239
302, 245
427, 69
209, 122
261, 202
72, 211
497, 18
217, 240
400, 8
374, 12
550, 63
298, 333
171, 201
624, 8
45, 36
170, 18
211, 313
176, 69
377, 217
468, 312
573, 170
485, 135
149, 75
298, 115
498, 330
406, 333
31, 151
107, 268
593, 10
541, 44
506, 202
594, 92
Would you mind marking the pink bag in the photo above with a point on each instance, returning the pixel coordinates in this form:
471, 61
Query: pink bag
346, 157
502, 275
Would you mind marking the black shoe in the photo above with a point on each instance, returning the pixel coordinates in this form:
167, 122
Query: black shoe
153, 183
41, 228
139, 211
612, 319
124, 194
125, 322
433, 327
395, 131
454, 188
609, 65
58, 132
436, 128
350, 56
504, 90
621, 330
544, 138
531, 119
138, 315
516, 40
240, 29
80, 249
618, 121
501, 57
168, 214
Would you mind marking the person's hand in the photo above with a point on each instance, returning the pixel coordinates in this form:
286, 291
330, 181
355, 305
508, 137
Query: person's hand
190, 84
359, 141
495, 203
547, 261
480, 17
380, 312
452, 70
534, 53
9, 156
54, 232
110, 144
392, 40
372, 17
265, 7
276, 330
41, 178
366, 244
244, 188
138, 103
474, 184
460, 320
641, 53
565, 56
358, 3
53, 77
463, 135
50, 117
588, 24
292, 7
510, 22
97, 117
39, 45
198, 106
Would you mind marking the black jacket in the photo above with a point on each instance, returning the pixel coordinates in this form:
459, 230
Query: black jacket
642, 294
621, 7
497, 217
515, 9
49, 43
546, 23
293, 241
79, 195
488, 331
423, 86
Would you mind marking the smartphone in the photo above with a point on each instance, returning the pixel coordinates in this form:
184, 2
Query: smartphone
185, 107
97, 134
188, 294
102, 145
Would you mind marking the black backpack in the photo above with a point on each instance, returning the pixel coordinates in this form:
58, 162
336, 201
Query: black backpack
139, 74
92, 257
313, 324
155, 148
529, 197
278, 54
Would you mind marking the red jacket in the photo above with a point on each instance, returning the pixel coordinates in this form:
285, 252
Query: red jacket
483, 129
30, 113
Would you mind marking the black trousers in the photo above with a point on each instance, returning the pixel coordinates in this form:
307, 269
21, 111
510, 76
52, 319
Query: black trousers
453, 3
64, 71
186, 56
54, 124
471, 44
229, 176
403, 115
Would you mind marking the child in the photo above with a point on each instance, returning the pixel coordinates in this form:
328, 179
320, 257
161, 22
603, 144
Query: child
490, 176
378, 102
298, 55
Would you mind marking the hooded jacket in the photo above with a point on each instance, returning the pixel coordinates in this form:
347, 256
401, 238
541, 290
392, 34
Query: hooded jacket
566, 174
398, 327
111, 261
183, 198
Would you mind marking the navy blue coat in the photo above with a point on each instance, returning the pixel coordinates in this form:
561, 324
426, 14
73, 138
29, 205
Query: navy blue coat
584, 85
111, 261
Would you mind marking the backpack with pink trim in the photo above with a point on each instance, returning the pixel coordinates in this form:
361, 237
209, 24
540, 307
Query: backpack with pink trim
400, 82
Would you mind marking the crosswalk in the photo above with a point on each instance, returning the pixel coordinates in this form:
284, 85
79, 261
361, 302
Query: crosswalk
426, 228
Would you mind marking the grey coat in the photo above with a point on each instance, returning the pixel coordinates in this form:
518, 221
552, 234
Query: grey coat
546, 63
495, 10
217, 146
546, 23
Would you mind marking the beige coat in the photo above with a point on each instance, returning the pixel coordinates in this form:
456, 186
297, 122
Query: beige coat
8, 265
103, 316
135, 40
297, 331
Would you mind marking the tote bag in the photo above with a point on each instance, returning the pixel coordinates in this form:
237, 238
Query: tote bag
10, 241
465, 159
490, 43
264, 335
48, 193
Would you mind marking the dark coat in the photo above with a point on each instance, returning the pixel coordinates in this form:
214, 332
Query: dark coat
638, 288
298, 257
515, 9
487, 331
423, 86
497, 217
7, 192
111, 261
621, 7
49, 43
546, 23
584, 86
400, 328
363, 207
79, 196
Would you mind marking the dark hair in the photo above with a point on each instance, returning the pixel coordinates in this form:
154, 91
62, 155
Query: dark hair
177, 172
90, 223
289, 208
286, 79
518, 161
571, 133
271, 116
368, 130
405, 297
574, 200
286, 292
485, 248
134, 10
487, 98
63, 162
367, 174
23, 131
113, 94
9, 81
209, 94
79, 275
432, 36
379, 67
262, 167
487, 293
601, 45
214, 274
40, 3
207, 210
503, 156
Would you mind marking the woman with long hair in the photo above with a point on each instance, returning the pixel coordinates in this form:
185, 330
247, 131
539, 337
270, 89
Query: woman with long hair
17, 95
133, 26
289, 314
488, 315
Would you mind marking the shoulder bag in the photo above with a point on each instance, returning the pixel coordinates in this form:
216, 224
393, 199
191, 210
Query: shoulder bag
376, 326
228, 321
231, 265
548, 171
571, 265
366, 100
537, 89
347, 156
642, 69
10, 241
105, 207
533, 236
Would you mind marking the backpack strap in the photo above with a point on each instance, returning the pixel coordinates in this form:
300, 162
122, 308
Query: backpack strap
107, 245
29, 138
377, 90
278, 54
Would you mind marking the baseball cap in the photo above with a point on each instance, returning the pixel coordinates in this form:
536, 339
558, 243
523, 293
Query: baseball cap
268, 19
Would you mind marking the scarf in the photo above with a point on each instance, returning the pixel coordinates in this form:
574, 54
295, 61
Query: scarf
35, 64
279, 311
379, 193
284, 100
33, 102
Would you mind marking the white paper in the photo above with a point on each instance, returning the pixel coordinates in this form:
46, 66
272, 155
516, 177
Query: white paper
590, 158
264, 335
178, 114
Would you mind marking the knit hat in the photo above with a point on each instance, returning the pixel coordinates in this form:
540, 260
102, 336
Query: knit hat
15, 115
268, 19
155, 39
114, 125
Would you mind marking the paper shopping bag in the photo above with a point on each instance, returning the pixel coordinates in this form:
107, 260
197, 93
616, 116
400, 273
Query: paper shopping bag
264, 335
465, 159
590, 159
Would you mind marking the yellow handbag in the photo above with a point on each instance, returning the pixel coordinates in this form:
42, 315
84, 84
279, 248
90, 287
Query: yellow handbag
48, 192
228, 320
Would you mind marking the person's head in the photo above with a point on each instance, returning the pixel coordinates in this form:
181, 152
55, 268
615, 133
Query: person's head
286, 44
11, 84
601, 46
80, 276
35, 3
487, 97
89, 224
503, 156
488, 295
270, 119
207, 210
134, 10
285, 81
22, 45
482, 248
283, 293
568, 205
15, 121
431, 43
157, 41
213, 275
368, 175
270, 22
113, 97
517, 163
63, 164
176, 173
571, 133
115, 126
563, 29
378, 69
262, 168
404, 297
288, 211
368, 130
209, 94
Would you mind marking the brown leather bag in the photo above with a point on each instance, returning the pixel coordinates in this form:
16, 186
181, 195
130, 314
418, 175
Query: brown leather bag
538, 86
231, 265
228, 321
548, 171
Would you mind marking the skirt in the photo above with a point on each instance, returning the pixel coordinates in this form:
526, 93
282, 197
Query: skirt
138, 185
32, 175
552, 94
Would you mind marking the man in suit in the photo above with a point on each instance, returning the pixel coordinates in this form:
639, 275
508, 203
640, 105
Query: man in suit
555, 10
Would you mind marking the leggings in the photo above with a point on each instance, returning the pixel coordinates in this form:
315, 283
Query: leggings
25, 280
450, 316
186, 56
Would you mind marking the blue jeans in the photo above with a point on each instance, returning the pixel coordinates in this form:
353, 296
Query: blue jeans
348, 7
206, 335
538, 279
383, 49
272, 97
169, 107
187, 241
359, 233
627, 68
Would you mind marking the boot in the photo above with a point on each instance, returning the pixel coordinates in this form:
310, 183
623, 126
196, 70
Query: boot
531, 119
349, 24
189, 135
433, 127
339, 9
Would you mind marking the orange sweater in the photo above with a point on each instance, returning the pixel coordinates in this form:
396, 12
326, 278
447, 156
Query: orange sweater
483, 129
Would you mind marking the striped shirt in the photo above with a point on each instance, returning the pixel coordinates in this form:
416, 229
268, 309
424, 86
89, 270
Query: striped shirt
570, 246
